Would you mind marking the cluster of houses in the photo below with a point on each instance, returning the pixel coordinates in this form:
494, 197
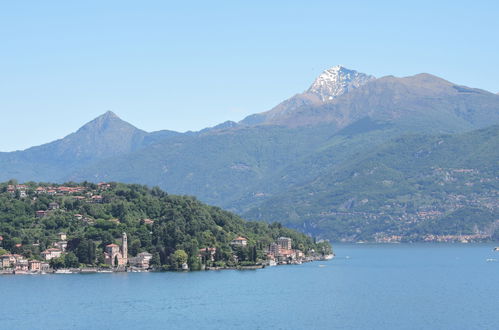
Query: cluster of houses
61, 191
21, 265
18, 264
115, 256
280, 252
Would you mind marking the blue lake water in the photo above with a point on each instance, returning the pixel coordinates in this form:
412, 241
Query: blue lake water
364, 287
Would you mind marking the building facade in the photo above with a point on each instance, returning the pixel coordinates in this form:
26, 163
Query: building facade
116, 256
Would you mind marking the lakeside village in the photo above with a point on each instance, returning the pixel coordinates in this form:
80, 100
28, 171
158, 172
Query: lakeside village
116, 257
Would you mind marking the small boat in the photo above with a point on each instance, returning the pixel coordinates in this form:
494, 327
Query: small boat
491, 260
496, 249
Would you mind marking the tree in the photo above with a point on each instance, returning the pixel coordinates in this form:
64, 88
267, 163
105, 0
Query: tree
179, 257
155, 260
100, 258
70, 260
57, 263
134, 247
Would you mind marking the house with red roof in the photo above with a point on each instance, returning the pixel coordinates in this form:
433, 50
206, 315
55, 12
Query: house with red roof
239, 241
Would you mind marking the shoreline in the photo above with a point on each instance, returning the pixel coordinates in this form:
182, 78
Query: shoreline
96, 270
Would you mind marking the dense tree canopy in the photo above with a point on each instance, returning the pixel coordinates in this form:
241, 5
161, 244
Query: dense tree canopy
172, 228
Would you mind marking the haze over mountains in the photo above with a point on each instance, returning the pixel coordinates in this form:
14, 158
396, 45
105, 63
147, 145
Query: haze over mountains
288, 163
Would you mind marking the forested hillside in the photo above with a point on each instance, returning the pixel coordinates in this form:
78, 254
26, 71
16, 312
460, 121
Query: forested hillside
415, 187
93, 216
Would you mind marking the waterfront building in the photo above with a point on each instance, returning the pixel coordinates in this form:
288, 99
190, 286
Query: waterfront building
21, 265
9, 260
142, 260
35, 265
115, 254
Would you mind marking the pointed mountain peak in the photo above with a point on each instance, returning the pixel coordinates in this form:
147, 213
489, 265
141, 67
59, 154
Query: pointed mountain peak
108, 121
109, 114
336, 81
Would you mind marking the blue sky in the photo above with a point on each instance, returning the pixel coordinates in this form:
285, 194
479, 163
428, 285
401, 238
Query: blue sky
188, 65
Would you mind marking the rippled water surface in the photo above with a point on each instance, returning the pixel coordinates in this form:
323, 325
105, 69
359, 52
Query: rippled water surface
364, 287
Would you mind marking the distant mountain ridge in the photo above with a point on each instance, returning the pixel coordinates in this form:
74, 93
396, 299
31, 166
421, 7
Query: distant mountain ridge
341, 96
246, 165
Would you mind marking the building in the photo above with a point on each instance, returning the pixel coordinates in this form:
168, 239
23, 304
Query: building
50, 254
62, 245
62, 236
239, 241
148, 221
208, 253
22, 265
284, 243
41, 213
286, 255
40, 190
275, 249
115, 254
142, 260
9, 260
103, 185
53, 206
44, 267
35, 265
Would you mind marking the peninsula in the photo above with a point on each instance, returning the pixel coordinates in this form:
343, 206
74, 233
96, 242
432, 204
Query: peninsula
109, 227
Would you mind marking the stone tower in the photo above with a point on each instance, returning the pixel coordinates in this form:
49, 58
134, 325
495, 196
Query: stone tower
124, 248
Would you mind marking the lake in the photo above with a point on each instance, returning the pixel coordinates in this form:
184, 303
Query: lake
365, 287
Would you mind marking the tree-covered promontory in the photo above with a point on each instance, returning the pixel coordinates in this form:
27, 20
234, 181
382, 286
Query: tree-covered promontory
174, 229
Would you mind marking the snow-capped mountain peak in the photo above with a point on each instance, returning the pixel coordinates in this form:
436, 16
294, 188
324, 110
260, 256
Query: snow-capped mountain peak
336, 81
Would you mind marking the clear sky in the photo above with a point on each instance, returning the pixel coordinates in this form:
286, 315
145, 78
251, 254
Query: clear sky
186, 65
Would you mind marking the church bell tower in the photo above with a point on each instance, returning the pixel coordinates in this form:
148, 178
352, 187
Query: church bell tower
124, 248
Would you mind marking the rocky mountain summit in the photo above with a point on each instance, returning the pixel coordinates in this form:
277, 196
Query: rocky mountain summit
337, 81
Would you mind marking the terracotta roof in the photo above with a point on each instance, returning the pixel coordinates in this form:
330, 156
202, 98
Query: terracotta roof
240, 238
209, 249
109, 245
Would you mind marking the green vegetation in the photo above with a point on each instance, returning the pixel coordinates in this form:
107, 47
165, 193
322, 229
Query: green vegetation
412, 186
172, 228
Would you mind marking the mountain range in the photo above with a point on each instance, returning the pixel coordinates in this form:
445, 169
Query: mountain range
342, 160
